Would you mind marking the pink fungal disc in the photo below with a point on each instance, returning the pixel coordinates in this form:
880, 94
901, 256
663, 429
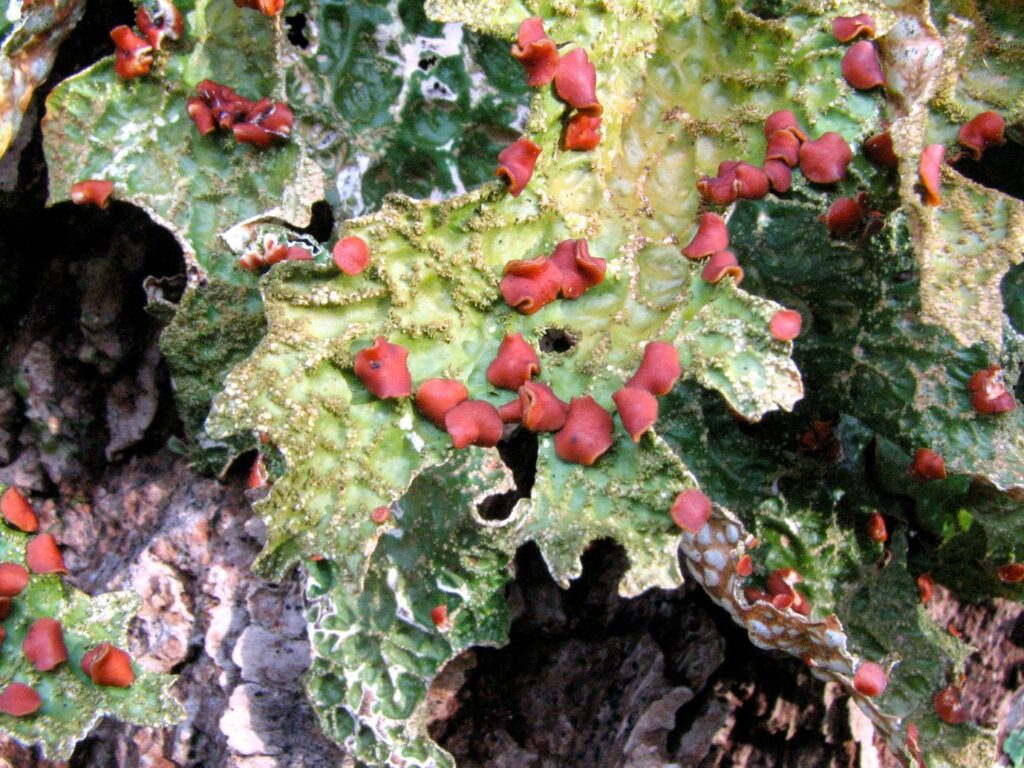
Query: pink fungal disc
691, 510
928, 465
18, 512
511, 412
439, 615
1011, 573
474, 422
745, 566
712, 235
108, 665
861, 67
780, 175
576, 82
985, 130
925, 587
845, 215
264, 122
878, 531
579, 270
870, 679
989, 393
785, 325
42, 555
258, 475
515, 364
133, 55
297, 253
638, 410
536, 52
380, 515
539, 408
351, 255
44, 645
784, 146
720, 265
751, 182
587, 433
383, 369
783, 120
824, 160
781, 586
19, 700
528, 285
435, 397
879, 150
846, 28
949, 706
92, 192
582, 133
722, 189
13, 579
166, 21
928, 171
516, 163
659, 370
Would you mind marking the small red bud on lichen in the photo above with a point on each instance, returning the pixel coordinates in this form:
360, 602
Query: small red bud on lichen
928, 465
43, 556
530, 284
785, 325
949, 707
783, 120
720, 264
576, 82
824, 160
870, 679
877, 529
44, 645
92, 192
516, 163
107, 665
13, 579
439, 615
579, 270
745, 566
691, 510
435, 397
539, 408
659, 370
638, 410
258, 475
988, 392
846, 28
474, 422
712, 235
845, 216
18, 512
133, 56
351, 255
587, 433
582, 133
165, 22
515, 364
879, 150
861, 67
928, 170
1011, 573
19, 700
380, 515
536, 52
780, 176
383, 369
981, 132
925, 587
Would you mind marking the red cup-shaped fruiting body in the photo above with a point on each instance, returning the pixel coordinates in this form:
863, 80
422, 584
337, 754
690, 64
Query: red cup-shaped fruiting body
659, 370
638, 410
981, 132
19, 700
94, 192
44, 645
133, 55
722, 188
383, 369
516, 163
861, 67
751, 183
745, 566
785, 325
224, 105
870, 679
265, 122
780, 175
720, 265
877, 529
539, 408
928, 465
949, 707
781, 586
13, 579
1011, 573
528, 285
474, 422
879, 150
587, 433
783, 120
42, 555
846, 28
18, 512
201, 115
297, 253
258, 475
925, 587
165, 22
351, 255
712, 235
439, 615
380, 515
515, 364
989, 393
928, 168
691, 510
576, 82
582, 133
108, 665
824, 160
579, 270
511, 412
266, 7
785, 146
435, 397
845, 216
536, 52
